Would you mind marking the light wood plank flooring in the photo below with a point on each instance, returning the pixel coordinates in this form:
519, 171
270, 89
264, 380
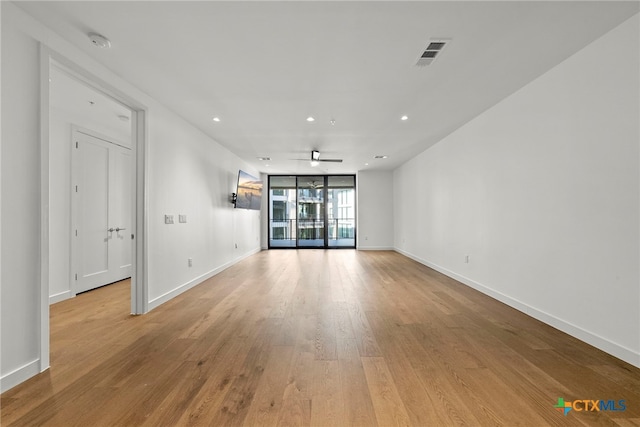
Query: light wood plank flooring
316, 337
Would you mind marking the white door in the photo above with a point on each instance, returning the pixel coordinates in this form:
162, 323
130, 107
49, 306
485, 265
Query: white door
102, 212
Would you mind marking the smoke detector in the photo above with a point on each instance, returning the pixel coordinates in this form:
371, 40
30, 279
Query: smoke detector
99, 40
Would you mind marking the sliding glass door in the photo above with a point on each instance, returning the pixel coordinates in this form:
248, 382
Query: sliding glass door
312, 211
282, 212
341, 211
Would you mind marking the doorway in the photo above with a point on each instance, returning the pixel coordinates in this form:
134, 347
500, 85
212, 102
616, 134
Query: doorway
56, 266
91, 185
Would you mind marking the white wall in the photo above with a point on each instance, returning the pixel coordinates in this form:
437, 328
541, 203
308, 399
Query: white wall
542, 192
1, 197
191, 174
188, 173
60, 184
20, 204
374, 190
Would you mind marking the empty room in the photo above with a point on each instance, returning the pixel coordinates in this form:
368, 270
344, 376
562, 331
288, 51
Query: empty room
327, 213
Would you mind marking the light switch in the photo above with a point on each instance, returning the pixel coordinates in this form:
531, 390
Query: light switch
182, 218
168, 219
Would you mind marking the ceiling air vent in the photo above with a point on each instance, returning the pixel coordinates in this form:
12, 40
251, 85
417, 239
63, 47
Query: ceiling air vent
431, 52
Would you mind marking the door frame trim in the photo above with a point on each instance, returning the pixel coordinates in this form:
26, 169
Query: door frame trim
139, 281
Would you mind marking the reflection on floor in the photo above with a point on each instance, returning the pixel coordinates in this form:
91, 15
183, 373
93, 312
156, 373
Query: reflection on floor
313, 243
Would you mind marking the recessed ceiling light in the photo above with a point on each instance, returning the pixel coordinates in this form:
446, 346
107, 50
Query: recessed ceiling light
216, 119
264, 159
311, 119
403, 118
366, 164
380, 157
99, 40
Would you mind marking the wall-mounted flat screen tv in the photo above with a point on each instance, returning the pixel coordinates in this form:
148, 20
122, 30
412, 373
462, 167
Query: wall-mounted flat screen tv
249, 192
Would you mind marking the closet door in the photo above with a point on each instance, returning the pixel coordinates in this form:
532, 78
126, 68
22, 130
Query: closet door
102, 212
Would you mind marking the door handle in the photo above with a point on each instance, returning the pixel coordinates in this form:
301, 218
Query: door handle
120, 229
111, 230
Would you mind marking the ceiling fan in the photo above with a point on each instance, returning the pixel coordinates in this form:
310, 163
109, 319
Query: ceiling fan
315, 158
315, 184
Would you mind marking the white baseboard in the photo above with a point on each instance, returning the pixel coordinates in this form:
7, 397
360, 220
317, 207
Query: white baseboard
196, 281
375, 248
19, 375
614, 349
60, 297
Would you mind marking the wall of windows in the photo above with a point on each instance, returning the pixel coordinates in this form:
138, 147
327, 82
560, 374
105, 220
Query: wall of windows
312, 211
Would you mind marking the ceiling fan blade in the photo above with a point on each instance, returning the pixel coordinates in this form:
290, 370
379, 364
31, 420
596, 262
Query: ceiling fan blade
315, 157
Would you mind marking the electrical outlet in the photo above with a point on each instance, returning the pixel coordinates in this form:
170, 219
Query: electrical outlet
168, 219
182, 219
236, 246
190, 262
466, 259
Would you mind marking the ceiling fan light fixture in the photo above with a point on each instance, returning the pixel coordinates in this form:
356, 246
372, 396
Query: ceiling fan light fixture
315, 159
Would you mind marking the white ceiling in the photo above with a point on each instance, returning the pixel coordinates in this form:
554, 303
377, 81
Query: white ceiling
263, 67
81, 104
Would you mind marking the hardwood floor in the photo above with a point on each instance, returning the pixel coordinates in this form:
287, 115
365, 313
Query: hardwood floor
322, 338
